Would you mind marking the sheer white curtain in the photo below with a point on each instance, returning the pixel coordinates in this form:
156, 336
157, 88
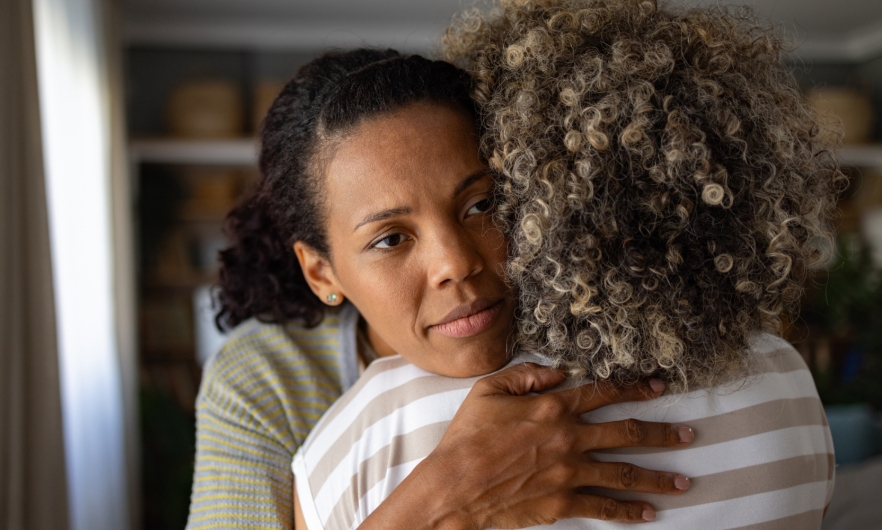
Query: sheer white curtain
75, 96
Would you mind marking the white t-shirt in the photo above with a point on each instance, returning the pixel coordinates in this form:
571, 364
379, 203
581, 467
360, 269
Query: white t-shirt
762, 457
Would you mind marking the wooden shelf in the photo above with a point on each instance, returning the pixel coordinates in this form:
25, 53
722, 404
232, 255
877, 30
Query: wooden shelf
243, 152
869, 156
232, 152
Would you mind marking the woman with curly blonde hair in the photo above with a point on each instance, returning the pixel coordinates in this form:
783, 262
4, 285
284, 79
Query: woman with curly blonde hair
664, 189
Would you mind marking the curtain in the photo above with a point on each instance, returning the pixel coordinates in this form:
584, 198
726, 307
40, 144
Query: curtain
124, 284
33, 482
76, 91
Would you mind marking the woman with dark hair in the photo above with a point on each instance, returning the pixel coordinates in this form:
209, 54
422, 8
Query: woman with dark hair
369, 233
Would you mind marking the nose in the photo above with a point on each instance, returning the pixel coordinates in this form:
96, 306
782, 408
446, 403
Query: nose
455, 257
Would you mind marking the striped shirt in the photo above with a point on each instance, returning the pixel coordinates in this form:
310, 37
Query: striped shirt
260, 397
762, 457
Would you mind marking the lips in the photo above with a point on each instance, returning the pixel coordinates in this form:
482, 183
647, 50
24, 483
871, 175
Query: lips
470, 319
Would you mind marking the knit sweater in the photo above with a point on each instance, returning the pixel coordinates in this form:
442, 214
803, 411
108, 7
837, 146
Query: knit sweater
260, 396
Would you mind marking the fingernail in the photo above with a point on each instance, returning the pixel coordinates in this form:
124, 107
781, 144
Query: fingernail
648, 514
681, 483
685, 433
657, 385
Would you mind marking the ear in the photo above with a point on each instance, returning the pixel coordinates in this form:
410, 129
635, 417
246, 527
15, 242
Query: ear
318, 273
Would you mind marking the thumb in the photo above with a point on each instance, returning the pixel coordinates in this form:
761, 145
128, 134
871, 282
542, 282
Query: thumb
521, 379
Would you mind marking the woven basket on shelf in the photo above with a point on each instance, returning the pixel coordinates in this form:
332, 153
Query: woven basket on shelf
843, 110
206, 109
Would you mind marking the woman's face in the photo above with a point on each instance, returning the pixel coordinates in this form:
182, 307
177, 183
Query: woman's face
408, 213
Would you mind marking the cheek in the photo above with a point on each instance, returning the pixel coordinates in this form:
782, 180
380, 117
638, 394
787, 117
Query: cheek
386, 295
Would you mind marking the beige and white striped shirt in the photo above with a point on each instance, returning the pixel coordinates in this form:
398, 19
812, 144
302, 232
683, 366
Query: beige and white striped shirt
762, 457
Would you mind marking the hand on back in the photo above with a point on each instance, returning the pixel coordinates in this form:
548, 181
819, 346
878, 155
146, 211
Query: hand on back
510, 459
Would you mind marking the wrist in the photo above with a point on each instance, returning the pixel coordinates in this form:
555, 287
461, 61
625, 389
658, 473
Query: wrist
427, 499
443, 494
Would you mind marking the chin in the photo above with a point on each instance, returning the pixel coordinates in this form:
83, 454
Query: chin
479, 355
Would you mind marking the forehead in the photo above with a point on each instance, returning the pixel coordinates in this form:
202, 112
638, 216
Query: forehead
420, 150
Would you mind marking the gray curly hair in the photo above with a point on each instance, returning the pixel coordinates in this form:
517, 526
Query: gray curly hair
663, 180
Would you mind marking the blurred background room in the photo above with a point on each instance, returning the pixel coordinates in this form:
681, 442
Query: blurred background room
128, 132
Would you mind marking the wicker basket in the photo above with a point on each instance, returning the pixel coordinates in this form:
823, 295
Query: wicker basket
843, 110
206, 109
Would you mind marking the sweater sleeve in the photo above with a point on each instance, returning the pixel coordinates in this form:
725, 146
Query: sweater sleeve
259, 399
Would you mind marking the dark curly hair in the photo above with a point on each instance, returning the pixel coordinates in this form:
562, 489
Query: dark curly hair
260, 276
665, 185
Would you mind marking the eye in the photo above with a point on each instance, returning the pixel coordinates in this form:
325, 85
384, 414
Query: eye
390, 241
481, 206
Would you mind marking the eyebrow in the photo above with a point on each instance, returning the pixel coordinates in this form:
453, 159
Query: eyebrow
403, 210
382, 216
471, 179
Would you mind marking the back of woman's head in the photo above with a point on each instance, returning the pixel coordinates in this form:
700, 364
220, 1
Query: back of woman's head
260, 276
664, 182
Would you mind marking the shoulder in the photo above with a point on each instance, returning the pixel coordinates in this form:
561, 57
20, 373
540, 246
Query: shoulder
776, 354
390, 387
780, 373
256, 348
254, 339
391, 419
779, 376
268, 371
762, 448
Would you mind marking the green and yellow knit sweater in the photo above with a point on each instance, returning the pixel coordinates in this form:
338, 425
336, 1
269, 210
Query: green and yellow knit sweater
260, 397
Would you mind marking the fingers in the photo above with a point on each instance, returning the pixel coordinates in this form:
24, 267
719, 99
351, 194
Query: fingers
606, 509
593, 396
520, 380
628, 477
634, 433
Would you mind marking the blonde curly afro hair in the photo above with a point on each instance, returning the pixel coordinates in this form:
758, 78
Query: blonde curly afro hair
663, 180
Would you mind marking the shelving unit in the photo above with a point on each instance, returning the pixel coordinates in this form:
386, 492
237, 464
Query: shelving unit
192, 184
243, 152
868, 156
226, 152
